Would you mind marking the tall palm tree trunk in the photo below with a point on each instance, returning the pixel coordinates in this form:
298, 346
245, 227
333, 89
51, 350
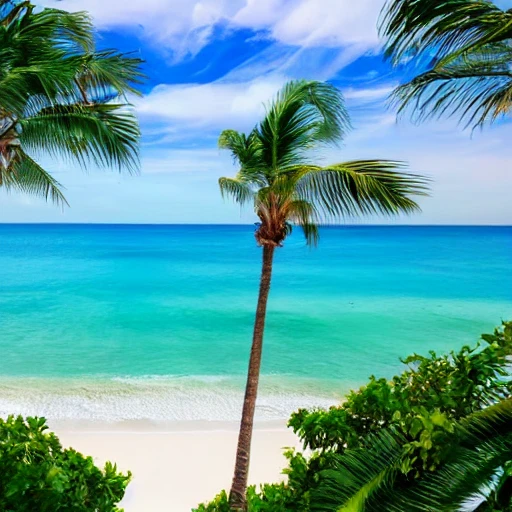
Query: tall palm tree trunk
239, 486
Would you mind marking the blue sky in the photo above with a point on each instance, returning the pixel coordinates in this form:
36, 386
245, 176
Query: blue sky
212, 64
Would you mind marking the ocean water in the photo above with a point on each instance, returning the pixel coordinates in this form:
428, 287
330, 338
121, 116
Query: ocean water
120, 322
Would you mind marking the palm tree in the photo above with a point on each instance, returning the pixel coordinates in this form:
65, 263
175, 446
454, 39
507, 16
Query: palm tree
277, 176
470, 75
475, 476
60, 97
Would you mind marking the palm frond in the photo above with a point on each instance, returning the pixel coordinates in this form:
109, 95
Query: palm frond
304, 214
484, 445
363, 187
31, 64
68, 31
241, 146
358, 474
51, 79
492, 57
246, 151
106, 135
416, 26
27, 176
10, 11
240, 191
366, 479
288, 189
303, 115
102, 72
476, 87
475, 98
470, 76
57, 97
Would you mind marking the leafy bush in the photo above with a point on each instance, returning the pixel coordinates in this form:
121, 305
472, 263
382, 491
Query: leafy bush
219, 504
474, 476
423, 403
422, 407
37, 474
269, 498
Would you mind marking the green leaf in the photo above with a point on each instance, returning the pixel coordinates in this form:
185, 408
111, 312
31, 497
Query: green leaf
416, 427
287, 189
61, 98
471, 77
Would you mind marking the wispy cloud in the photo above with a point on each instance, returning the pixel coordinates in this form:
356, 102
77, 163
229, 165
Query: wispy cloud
181, 119
212, 104
185, 26
196, 161
328, 23
369, 94
179, 112
192, 114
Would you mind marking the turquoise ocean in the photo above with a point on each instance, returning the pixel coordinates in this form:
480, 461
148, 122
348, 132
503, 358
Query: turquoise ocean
127, 322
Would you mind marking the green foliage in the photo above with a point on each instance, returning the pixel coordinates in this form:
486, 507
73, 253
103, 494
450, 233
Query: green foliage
439, 433
61, 97
37, 474
470, 77
278, 497
219, 504
279, 176
422, 403
368, 479
269, 498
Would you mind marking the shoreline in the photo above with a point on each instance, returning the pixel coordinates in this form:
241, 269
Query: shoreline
166, 402
147, 426
178, 465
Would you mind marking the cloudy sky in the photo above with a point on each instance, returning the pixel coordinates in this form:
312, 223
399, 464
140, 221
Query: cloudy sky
212, 64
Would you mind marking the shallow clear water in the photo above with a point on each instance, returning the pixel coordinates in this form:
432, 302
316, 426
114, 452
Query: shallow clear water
134, 321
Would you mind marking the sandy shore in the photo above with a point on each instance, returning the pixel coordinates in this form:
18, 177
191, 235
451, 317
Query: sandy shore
175, 466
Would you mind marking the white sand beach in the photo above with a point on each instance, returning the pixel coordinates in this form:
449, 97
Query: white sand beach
177, 465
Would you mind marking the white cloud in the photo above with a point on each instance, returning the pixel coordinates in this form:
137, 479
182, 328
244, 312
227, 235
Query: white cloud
319, 37
166, 160
185, 26
198, 112
215, 105
332, 23
312, 63
369, 94
262, 14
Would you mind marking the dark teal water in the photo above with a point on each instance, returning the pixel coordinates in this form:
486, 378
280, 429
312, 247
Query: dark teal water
103, 311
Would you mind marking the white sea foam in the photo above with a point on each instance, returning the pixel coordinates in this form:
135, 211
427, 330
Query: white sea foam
160, 398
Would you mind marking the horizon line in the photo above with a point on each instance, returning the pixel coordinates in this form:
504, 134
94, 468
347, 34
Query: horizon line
239, 224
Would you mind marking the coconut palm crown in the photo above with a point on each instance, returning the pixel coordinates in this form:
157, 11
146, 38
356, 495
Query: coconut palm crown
465, 48
279, 178
286, 187
61, 97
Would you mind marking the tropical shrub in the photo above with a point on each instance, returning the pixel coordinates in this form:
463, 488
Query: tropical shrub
423, 403
219, 504
410, 427
37, 474
474, 476
269, 498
